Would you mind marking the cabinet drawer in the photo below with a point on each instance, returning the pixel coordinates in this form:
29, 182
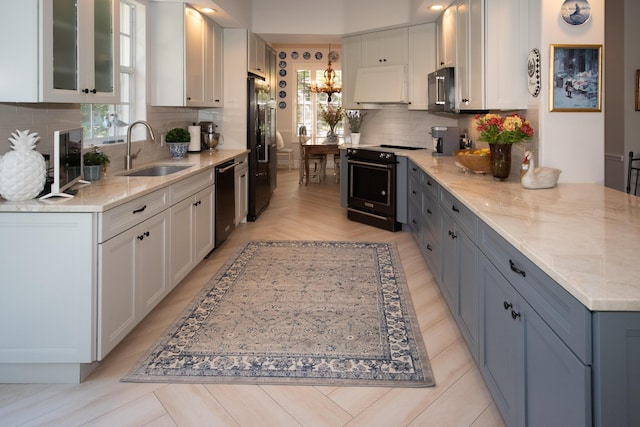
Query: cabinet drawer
431, 213
466, 219
430, 184
190, 186
564, 314
414, 193
116, 220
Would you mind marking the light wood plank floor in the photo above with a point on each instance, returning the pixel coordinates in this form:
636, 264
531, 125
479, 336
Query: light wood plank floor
460, 397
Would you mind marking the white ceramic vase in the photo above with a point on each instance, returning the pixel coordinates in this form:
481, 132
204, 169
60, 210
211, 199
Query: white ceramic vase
355, 138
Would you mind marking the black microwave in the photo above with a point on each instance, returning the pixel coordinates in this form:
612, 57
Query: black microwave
441, 90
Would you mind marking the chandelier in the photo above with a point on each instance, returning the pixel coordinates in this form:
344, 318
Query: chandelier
329, 79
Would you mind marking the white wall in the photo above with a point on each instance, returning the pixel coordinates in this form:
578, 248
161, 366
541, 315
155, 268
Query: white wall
571, 141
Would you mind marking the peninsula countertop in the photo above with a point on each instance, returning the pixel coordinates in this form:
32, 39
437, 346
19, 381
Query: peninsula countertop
584, 236
115, 189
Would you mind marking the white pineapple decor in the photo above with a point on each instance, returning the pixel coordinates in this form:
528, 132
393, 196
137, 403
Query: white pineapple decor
23, 171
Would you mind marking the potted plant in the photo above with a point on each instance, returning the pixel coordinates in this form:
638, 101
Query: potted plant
355, 118
501, 133
178, 140
95, 162
332, 116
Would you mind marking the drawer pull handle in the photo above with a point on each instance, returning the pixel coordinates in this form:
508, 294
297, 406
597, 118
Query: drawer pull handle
143, 235
198, 203
514, 315
429, 211
507, 305
429, 248
455, 209
516, 269
413, 192
429, 183
140, 210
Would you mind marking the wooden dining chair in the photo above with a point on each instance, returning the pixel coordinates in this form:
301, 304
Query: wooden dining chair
317, 162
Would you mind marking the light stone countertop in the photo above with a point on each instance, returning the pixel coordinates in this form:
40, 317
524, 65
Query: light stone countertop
114, 189
584, 236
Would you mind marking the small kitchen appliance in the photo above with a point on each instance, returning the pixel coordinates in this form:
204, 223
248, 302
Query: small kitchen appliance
209, 137
446, 139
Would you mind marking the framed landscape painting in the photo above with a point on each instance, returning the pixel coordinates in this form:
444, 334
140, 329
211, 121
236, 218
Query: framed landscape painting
575, 78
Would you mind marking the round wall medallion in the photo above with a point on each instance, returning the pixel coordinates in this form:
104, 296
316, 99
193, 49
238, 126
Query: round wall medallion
282, 55
575, 12
306, 55
282, 64
294, 55
318, 55
282, 94
282, 83
282, 72
282, 105
533, 72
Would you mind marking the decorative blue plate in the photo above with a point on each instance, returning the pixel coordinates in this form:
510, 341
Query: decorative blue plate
282, 72
318, 55
575, 12
282, 94
282, 64
282, 83
282, 55
306, 55
282, 105
294, 54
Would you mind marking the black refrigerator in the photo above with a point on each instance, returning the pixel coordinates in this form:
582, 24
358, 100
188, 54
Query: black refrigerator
261, 141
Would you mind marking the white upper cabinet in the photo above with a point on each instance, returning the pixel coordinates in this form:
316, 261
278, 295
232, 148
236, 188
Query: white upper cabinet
495, 77
422, 46
388, 47
446, 39
186, 57
60, 51
257, 58
351, 61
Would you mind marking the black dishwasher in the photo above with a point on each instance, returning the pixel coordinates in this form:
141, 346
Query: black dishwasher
225, 201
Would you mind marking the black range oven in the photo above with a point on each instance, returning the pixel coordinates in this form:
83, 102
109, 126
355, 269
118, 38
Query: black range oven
371, 197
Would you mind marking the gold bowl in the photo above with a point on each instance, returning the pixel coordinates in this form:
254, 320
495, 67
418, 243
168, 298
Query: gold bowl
477, 160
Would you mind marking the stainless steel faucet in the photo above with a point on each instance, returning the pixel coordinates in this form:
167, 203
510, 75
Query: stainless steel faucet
129, 157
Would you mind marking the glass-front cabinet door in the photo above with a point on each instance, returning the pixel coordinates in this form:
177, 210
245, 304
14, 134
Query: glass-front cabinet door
80, 58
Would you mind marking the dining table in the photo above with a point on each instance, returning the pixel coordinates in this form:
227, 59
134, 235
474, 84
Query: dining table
318, 146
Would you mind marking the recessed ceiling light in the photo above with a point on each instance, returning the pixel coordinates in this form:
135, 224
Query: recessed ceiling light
437, 7
207, 10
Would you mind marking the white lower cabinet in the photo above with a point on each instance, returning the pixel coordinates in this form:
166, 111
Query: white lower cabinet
133, 278
242, 189
192, 232
145, 248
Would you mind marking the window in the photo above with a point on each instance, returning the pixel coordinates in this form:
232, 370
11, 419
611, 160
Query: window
107, 123
308, 103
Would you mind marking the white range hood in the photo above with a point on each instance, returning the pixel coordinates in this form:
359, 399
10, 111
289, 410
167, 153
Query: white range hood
381, 85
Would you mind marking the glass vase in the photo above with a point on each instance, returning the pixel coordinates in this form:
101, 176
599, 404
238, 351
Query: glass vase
500, 160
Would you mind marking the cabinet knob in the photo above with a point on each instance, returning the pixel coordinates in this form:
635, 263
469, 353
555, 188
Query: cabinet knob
85, 90
429, 211
514, 315
507, 305
455, 209
94, 91
429, 247
465, 101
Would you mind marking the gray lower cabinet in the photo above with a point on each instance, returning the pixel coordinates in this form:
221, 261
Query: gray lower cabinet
459, 275
533, 376
531, 339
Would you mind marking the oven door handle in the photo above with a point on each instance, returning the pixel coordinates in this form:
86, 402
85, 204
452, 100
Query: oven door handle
375, 165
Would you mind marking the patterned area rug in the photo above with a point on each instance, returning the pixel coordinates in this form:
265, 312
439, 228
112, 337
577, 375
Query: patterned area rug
297, 312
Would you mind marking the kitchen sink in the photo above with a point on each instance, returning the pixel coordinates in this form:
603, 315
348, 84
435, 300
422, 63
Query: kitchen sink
157, 170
